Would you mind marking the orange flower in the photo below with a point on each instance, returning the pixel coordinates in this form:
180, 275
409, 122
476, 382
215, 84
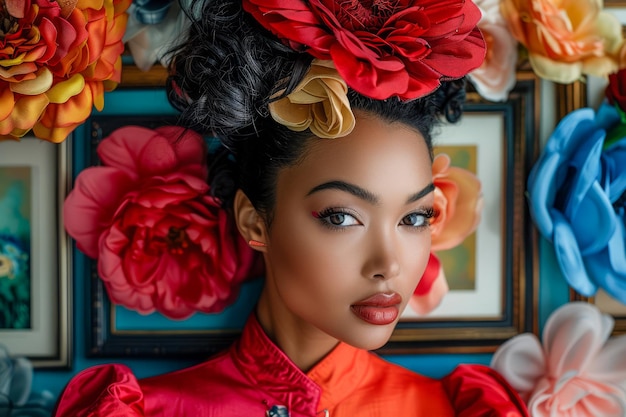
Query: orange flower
56, 61
458, 202
567, 38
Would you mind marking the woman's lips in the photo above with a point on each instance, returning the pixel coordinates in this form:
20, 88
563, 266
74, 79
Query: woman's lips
380, 309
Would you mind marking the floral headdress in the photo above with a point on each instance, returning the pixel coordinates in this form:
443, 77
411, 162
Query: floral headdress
380, 49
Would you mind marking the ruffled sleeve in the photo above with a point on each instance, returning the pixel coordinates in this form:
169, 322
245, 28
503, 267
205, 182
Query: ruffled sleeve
477, 390
105, 390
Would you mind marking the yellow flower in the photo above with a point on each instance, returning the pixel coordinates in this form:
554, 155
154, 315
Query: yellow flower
319, 103
565, 39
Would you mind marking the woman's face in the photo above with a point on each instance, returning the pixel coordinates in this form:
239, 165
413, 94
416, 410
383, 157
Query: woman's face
349, 239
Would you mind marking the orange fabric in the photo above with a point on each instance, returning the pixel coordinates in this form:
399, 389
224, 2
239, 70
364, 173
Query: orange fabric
354, 380
255, 375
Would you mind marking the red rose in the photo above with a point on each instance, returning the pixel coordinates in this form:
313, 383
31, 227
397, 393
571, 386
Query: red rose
616, 90
401, 48
162, 242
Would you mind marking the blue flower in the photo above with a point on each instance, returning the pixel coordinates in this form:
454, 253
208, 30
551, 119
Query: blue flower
577, 196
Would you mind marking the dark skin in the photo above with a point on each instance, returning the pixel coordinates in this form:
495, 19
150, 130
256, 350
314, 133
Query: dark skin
351, 221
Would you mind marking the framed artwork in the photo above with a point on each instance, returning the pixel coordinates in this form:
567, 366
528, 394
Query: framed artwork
35, 296
132, 76
614, 4
492, 299
493, 274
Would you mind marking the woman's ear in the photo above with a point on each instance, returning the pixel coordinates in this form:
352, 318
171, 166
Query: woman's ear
250, 224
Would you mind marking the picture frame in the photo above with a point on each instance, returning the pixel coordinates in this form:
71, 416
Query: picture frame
504, 301
133, 77
115, 331
614, 3
34, 179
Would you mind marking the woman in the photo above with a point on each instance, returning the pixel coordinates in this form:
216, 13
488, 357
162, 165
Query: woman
325, 112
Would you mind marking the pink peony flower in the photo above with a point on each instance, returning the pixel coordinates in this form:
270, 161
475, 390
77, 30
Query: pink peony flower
577, 372
161, 241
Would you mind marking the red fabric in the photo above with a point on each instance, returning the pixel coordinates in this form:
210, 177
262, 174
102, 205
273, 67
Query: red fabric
478, 390
105, 390
255, 375
430, 275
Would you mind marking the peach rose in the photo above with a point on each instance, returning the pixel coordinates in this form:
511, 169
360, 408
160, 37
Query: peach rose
458, 202
565, 39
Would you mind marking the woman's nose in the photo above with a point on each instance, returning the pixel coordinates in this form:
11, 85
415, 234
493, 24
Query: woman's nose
382, 261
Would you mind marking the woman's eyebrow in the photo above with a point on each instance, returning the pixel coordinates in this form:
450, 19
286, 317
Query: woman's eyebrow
365, 195
422, 193
347, 187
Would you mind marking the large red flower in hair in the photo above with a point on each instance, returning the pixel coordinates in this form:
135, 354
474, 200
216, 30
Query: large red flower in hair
161, 241
381, 48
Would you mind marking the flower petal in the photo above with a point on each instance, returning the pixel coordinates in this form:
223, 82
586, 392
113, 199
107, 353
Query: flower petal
569, 258
573, 335
521, 362
559, 72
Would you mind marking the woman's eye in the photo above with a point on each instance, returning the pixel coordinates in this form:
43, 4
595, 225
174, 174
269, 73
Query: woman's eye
414, 219
341, 219
336, 218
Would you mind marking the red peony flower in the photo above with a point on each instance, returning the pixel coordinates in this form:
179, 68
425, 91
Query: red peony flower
381, 48
161, 241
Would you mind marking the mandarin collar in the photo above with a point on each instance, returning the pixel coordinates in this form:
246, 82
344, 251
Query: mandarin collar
265, 365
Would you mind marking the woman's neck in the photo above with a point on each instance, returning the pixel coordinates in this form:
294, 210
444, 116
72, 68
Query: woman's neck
304, 344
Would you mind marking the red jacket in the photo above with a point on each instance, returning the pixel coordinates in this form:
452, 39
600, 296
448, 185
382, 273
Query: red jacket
254, 375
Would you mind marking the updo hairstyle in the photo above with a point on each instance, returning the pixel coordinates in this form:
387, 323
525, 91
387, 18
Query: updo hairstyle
221, 79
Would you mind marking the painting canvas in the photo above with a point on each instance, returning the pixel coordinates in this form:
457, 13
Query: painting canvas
15, 247
473, 273
459, 263
34, 279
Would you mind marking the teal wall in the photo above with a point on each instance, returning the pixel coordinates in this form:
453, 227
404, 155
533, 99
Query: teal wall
553, 291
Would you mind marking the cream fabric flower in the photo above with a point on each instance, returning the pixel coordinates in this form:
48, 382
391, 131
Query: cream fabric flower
578, 371
496, 77
319, 103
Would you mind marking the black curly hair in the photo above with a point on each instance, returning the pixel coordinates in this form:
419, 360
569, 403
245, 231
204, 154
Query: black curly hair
221, 79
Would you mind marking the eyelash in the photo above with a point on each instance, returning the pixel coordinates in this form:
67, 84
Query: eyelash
323, 216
